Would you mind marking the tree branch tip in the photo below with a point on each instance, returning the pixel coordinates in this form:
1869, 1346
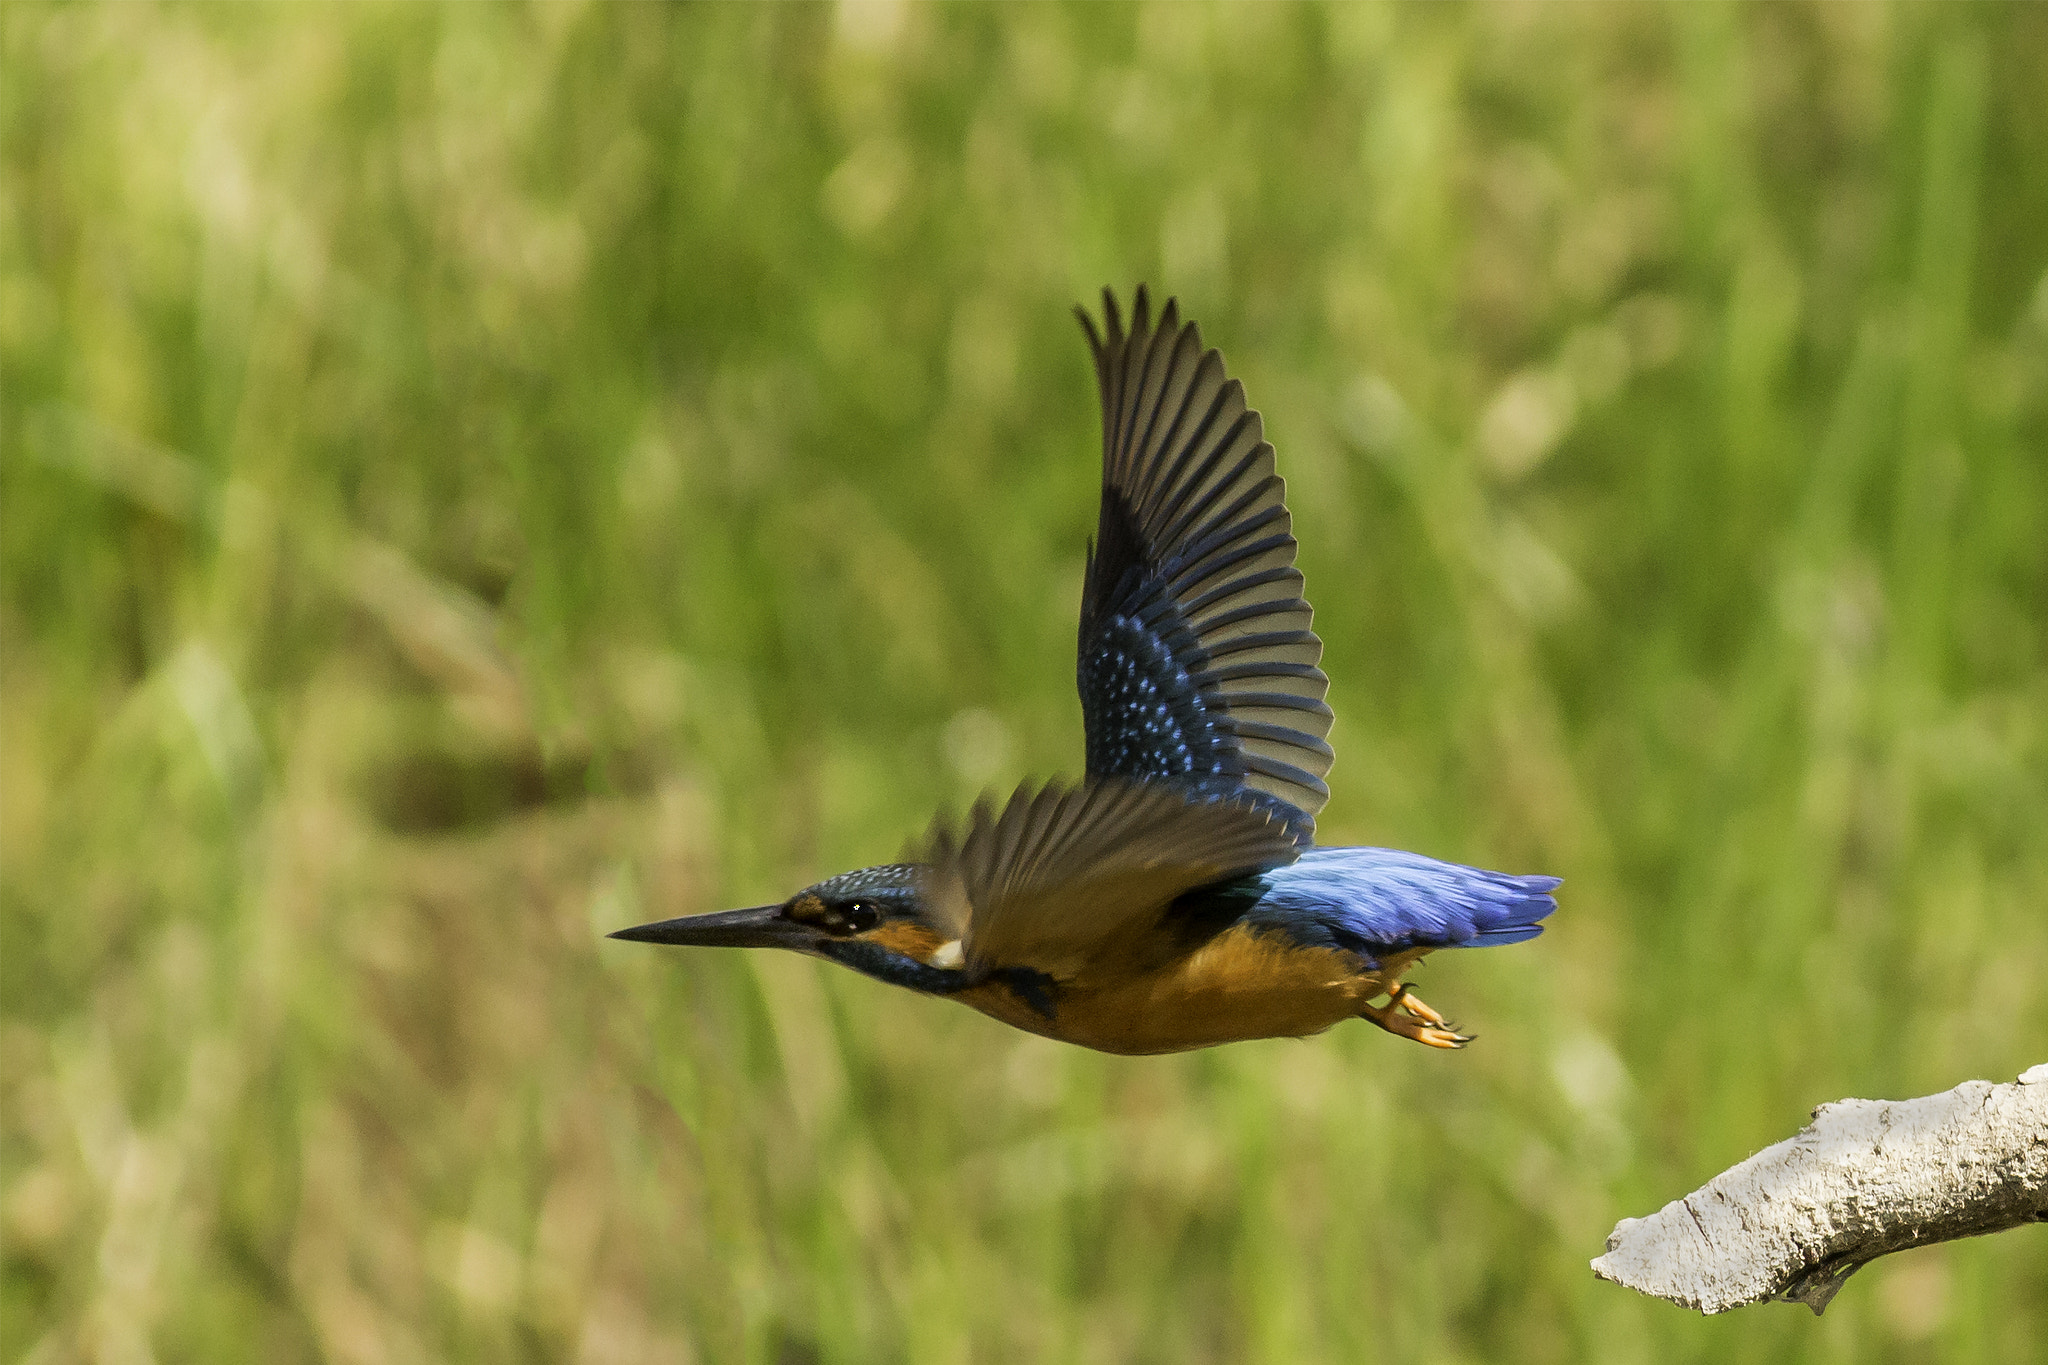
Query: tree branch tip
1865, 1178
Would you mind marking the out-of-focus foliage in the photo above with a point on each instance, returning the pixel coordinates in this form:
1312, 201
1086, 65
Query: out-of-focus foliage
478, 476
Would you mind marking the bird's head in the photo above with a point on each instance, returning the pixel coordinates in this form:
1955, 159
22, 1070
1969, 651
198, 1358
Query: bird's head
872, 920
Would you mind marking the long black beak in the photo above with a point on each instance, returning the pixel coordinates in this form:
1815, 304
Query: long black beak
762, 926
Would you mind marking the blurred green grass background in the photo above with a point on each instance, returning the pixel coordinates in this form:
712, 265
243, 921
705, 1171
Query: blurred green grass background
477, 476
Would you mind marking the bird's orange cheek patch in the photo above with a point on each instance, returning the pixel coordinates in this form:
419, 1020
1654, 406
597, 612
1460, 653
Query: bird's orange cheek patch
910, 939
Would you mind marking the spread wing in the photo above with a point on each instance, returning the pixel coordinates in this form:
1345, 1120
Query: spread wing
1065, 874
1197, 664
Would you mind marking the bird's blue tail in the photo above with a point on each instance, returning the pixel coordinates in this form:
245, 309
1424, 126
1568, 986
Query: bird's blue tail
1381, 900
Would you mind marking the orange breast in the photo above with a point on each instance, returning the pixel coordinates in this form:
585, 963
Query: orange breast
1237, 986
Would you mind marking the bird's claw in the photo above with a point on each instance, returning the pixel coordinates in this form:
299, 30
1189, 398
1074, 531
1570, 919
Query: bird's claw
1405, 999
1407, 1016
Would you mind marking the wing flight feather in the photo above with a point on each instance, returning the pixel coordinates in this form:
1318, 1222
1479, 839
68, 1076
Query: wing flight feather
1062, 875
1197, 662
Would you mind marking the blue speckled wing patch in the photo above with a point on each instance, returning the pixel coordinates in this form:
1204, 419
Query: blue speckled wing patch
1197, 663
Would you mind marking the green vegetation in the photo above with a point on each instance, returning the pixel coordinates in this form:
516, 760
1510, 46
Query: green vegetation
472, 477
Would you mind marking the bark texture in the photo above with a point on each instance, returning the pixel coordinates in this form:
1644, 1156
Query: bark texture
1865, 1178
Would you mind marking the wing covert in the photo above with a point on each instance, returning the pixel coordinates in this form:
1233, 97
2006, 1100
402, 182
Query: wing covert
1063, 875
1197, 663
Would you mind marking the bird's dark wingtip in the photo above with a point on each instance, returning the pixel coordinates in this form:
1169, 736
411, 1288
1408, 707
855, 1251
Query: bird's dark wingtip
1088, 330
1113, 333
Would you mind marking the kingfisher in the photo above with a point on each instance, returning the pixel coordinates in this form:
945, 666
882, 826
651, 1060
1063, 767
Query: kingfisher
1174, 898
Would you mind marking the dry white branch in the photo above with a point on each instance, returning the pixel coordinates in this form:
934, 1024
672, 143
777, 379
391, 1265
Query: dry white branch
1865, 1178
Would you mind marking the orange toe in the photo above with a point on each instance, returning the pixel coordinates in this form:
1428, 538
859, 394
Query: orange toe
1407, 1017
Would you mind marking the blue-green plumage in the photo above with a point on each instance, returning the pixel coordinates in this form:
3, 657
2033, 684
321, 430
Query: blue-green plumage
1380, 901
1176, 898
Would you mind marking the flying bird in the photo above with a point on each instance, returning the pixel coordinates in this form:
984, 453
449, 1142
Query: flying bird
1175, 898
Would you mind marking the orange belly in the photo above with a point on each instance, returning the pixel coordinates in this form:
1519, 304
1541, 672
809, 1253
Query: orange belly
1236, 987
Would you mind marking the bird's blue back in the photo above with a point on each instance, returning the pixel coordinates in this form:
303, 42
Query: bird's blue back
1380, 901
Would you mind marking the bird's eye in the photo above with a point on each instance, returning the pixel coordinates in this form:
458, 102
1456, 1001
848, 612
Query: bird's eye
835, 916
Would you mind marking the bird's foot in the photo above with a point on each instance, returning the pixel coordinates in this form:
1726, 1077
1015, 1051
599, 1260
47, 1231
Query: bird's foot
1403, 998
1405, 1014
